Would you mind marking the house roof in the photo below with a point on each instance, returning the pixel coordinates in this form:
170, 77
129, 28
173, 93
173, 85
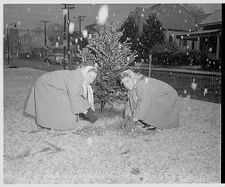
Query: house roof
172, 16
175, 17
214, 18
195, 34
200, 32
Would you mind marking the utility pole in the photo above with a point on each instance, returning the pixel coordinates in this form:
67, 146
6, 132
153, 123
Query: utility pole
45, 22
67, 7
7, 44
7, 33
80, 19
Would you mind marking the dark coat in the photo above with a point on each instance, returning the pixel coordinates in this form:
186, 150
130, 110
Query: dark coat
56, 98
157, 103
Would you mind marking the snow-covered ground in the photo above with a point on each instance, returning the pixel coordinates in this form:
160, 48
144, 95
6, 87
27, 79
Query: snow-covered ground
101, 153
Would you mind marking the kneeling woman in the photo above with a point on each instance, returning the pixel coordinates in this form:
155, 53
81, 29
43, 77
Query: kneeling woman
58, 96
150, 101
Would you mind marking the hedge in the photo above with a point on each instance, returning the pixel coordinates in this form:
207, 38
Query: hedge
185, 58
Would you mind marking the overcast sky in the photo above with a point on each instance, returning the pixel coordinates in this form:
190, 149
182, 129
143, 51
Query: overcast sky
30, 15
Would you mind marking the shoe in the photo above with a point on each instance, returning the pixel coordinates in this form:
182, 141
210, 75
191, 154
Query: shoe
151, 128
147, 126
89, 116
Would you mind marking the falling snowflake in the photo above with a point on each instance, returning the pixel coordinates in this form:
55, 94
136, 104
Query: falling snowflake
182, 37
90, 36
71, 27
210, 49
142, 15
76, 40
28, 9
56, 28
19, 23
194, 85
128, 58
81, 38
65, 12
188, 96
205, 91
89, 141
185, 92
102, 14
189, 30
185, 21
85, 33
179, 11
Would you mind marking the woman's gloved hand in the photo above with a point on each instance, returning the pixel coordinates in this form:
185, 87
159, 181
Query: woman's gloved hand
90, 116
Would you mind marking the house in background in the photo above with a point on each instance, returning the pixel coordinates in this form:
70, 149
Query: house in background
208, 38
175, 19
33, 43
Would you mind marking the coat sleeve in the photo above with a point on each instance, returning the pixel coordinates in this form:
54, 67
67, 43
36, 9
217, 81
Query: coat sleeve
73, 84
146, 97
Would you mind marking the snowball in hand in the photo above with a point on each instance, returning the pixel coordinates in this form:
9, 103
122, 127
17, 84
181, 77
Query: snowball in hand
71, 27
102, 14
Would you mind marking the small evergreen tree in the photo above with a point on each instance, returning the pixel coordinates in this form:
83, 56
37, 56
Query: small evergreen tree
112, 57
130, 32
152, 35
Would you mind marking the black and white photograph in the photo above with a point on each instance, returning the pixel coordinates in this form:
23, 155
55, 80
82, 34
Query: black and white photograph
111, 92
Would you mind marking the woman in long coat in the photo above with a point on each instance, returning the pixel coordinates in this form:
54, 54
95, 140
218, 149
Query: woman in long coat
58, 96
150, 101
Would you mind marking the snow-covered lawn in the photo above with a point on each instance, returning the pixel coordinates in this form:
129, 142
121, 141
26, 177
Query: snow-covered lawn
101, 153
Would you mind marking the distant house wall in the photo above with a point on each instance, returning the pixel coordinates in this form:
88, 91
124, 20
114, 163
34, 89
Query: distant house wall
33, 42
171, 35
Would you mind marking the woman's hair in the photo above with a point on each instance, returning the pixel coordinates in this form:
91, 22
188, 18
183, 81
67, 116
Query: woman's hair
132, 75
124, 75
93, 70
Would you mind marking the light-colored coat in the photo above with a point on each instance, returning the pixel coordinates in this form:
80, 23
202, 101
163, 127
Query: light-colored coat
56, 98
157, 103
